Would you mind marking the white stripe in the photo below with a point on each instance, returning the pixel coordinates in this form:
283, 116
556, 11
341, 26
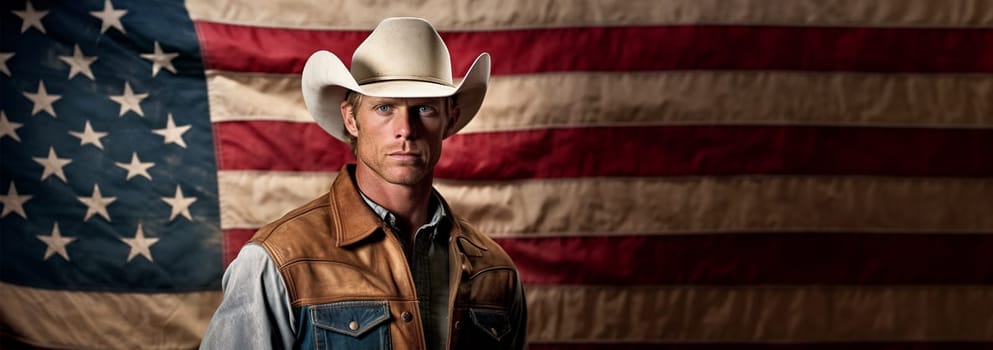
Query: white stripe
105, 320
250, 199
618, 206
506, 14
667, 98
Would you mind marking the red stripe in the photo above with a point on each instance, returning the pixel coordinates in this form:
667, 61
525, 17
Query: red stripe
270, 145
732, 259
638, 151
234, 239
277, 50
788, 258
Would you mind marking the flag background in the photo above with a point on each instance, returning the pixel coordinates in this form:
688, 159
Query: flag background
683, 174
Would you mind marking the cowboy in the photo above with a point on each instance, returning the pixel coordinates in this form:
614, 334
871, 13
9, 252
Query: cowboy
380, 261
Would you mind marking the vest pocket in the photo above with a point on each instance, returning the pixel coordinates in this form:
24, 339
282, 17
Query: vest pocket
484, 329
351, 325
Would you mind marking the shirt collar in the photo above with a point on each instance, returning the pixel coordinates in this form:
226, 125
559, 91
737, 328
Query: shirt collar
391, 220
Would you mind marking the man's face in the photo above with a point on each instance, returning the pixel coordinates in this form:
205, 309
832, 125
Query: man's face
399, 139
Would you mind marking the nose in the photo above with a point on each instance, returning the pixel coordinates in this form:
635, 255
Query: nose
404, 125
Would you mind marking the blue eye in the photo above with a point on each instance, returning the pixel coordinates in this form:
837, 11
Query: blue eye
383, 108
425, 109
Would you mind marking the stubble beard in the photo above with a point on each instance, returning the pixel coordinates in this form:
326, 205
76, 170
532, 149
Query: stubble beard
393, 172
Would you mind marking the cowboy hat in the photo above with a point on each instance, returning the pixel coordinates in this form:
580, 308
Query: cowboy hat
404, 57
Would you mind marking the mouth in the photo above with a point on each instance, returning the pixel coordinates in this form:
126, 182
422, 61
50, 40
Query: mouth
405, 156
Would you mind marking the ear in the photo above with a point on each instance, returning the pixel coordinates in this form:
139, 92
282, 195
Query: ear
347, 116
453, 118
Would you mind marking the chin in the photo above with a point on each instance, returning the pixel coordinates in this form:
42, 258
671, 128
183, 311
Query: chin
406, 181
405, 177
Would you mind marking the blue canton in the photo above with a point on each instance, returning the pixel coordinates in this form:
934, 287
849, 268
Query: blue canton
108, 179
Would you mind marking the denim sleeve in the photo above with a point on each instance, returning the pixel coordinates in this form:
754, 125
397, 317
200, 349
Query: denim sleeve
255, 312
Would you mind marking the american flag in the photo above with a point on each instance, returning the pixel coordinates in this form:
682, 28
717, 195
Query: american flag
665, 174
110, 219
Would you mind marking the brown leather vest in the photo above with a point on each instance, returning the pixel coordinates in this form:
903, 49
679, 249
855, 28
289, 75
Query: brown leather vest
349, 283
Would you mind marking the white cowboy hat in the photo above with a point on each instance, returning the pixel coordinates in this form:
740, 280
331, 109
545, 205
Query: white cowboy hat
404, 57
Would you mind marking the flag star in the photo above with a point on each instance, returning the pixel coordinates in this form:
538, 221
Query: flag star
97, 204
180, 204
140, 245
88, 136
110, 17
31, 18
173, 133
13, 202
42, 100
129, 101
53, 165
9, 128
56, 243
160, 60
136, 167
4, 56
79, 63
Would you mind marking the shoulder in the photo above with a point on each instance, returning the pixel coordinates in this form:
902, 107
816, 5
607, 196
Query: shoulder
303, 225
315, 210
252, 264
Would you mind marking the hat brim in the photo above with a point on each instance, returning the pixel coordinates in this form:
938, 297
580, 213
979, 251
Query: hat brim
326, 81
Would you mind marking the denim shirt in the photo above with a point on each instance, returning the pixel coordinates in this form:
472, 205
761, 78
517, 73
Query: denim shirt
260, 300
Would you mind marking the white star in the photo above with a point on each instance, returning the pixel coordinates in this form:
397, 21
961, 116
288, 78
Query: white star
180, 204
136, 167
42, 100
9, 128
56, 243
129, 101
4, 56
110, 17
97, 204
14, 202
139, 245
173, 133
53, 165
88, 136
31, 18
160, 60
79, 63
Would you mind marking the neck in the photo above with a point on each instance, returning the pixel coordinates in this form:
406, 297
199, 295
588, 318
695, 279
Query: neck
410, 203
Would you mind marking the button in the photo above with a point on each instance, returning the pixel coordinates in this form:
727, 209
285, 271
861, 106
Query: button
407, 316
493, 331
353, 325
458, 325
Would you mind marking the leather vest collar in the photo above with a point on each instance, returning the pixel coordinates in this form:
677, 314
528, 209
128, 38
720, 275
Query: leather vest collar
352, 226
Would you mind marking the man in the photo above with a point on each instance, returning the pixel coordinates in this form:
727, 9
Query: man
380, 261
